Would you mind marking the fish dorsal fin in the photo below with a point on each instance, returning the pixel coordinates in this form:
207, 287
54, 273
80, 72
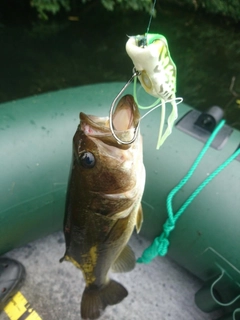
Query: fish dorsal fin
125, 262
139, 219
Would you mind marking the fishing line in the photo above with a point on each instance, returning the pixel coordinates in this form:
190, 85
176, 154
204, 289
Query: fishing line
151, 16
156, 71
177, 100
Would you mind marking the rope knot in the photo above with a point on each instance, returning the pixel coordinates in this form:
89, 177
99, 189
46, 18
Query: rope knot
163, 247
159, 246
168, 227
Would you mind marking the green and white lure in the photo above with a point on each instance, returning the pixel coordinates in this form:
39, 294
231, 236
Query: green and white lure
156, 72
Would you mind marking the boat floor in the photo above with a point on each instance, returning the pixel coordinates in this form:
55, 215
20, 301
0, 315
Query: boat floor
160, 290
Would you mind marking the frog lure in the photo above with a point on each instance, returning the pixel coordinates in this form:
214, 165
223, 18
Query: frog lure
156, 71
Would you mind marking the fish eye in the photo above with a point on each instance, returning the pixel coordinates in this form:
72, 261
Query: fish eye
87, 160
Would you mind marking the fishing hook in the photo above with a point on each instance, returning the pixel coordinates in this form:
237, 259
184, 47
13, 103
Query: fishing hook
135, 74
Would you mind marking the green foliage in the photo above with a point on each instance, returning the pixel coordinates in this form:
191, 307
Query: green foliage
228, 8
44, 7
128, 4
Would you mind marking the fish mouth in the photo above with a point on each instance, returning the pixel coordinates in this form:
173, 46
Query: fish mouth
125, 119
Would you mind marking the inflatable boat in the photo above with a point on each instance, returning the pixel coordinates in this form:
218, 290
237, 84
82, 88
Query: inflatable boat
35, 144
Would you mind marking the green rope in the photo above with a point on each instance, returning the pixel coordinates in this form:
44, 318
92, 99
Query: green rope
160, 244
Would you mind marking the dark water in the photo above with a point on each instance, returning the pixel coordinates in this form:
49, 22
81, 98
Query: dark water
37, 57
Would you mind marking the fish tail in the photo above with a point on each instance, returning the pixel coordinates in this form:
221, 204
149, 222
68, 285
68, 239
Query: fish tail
95, 300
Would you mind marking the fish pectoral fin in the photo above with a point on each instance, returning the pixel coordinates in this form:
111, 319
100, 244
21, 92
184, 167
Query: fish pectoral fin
95, 300
139, 219
125, 262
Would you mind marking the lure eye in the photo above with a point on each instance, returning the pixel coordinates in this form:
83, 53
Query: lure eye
87, 160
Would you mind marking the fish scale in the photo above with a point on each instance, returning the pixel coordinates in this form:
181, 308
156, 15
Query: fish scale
104, 205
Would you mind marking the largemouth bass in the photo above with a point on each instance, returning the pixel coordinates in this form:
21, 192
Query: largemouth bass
104, 204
